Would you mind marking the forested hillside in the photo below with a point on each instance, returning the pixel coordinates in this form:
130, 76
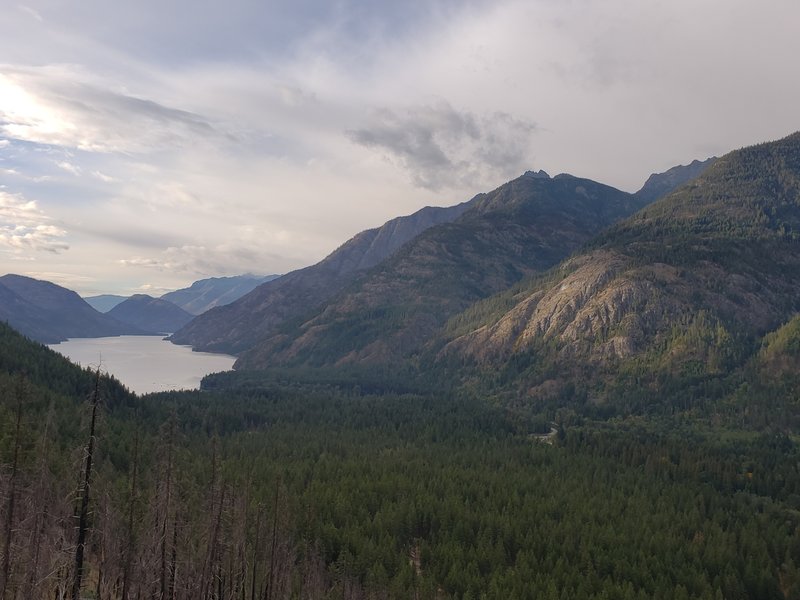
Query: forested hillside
50, 313
664, 308
322, 491
388, 313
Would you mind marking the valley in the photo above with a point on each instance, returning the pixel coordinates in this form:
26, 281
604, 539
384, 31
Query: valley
380, 434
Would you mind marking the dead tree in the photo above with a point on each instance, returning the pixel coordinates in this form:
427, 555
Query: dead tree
165, 575
83, 517
133, 494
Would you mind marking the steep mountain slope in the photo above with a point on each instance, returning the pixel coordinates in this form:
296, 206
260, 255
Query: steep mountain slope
237, 326
205, 294
49, 371
24, 316
659, 185
50, 313
682, 289
151, 314
521, 228
104, 302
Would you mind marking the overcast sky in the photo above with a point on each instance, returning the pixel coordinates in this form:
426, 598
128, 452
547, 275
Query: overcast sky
146, 144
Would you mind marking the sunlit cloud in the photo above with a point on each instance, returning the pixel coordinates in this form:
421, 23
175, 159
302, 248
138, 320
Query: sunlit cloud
69, 167
54, 105
25, 228
199, 260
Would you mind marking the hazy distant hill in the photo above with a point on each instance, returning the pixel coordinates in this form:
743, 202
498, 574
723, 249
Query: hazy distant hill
151, 314
676, 295
104, 302
50, 313
205, 294
661, 184
519, 229
239, 325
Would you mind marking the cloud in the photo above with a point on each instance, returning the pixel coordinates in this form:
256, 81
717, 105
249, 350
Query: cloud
66, 279
441, 147
55, 105
103, 177
31, 12
25, 228
223, 259
69, 167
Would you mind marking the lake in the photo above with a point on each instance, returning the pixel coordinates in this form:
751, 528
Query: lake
145, 363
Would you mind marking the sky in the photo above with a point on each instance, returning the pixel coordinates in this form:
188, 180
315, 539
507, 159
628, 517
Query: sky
147, 144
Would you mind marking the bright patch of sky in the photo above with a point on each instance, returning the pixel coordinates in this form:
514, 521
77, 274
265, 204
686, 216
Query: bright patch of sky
144, 145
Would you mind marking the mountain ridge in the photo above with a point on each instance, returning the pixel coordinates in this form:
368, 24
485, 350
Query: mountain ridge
660, 184
236, 326
151, 314
104, 302
692, 279
205, 294
519, 229
50, 313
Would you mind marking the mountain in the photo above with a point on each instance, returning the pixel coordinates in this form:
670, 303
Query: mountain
659, 185
673, 298
50, 313
151, 314
389, 312
239, 325
104, 302
205, 294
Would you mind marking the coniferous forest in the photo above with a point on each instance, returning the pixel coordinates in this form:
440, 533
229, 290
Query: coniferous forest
322, 489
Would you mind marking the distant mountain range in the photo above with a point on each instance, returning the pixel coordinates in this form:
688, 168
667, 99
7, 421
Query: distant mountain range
381, 297
197, 298
205, 294
150, 314
49, 313
385, 292
105, 302
390, 311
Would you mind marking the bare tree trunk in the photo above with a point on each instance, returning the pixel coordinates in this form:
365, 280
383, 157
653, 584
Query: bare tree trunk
83, 521
129, 546
271, 580
12, 494
215, 537
40, 508
205, 584
256, 544
173, 568
167, 501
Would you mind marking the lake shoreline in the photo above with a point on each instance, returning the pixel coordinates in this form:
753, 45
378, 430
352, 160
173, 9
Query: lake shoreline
145, 364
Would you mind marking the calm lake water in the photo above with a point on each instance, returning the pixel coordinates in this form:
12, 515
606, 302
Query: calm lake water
145, 363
